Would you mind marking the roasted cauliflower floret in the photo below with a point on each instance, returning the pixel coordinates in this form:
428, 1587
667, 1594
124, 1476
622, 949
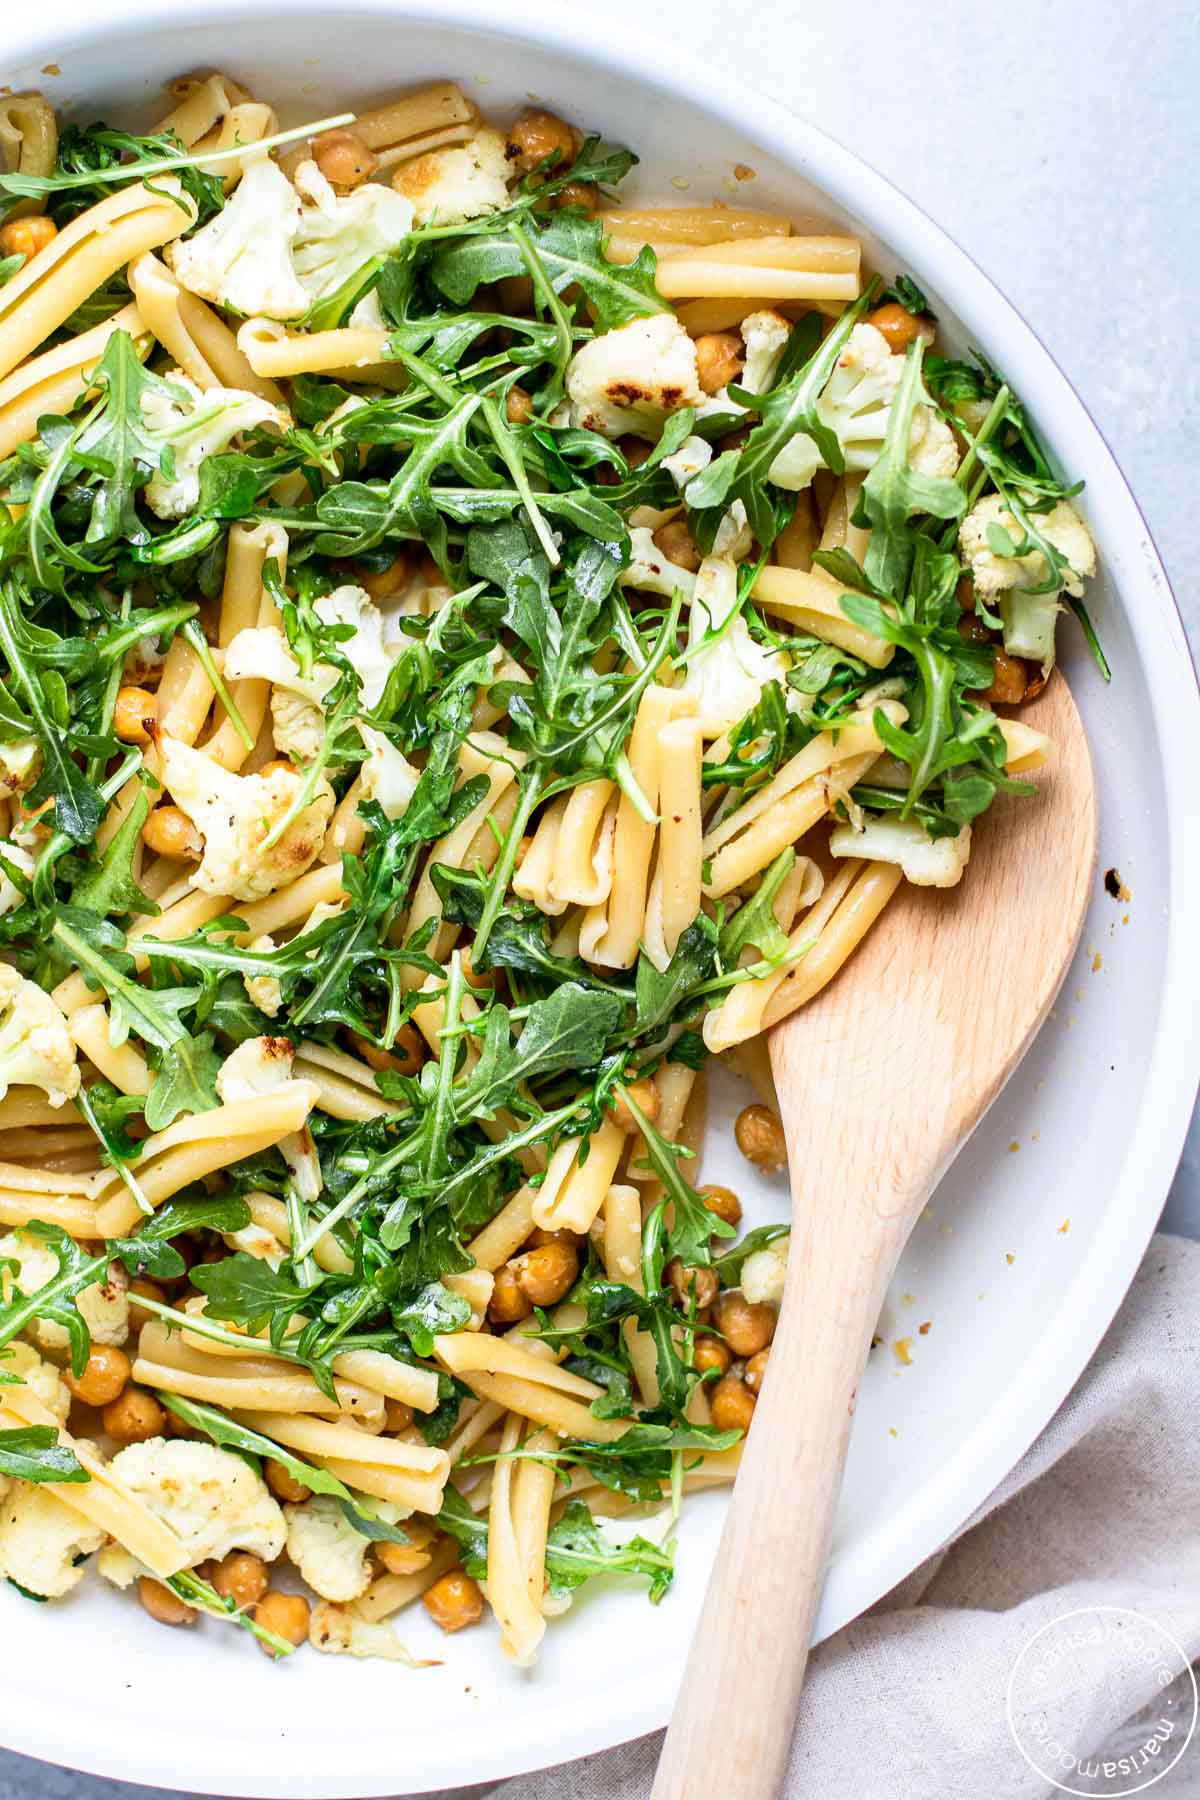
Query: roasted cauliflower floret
630, 379
264, 991
387, 776
765, 335
726, 670
339, 233
43, 1542
339, 1631
650, 570
243, 258
41, 1378
20, 765
1004, 582
10, 894
926, 861
462, 182
103, 1306
191, 427
237, 814
35, 1046
329, 1553
258, 1067
212, 1499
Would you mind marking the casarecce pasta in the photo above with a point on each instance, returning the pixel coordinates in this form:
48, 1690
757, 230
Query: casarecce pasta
474, 650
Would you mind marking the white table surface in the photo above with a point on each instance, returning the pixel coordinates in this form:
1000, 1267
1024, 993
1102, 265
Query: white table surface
1059, 145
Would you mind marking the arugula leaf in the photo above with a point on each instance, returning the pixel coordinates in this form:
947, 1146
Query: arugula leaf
108, 888
660, 994
571, 250
575, 1551
893, 490
430, 1312
77, 802
33, 1453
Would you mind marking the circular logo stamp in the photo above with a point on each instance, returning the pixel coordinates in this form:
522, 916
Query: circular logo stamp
1056, 1695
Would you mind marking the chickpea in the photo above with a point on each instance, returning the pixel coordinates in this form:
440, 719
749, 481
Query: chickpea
972, 629
731, 1404
454, 1601
477, 978
635, 450
169, 832
688, 1283
163, 1604
719, 358
149, 1290
756, 1368
540, 1235
899, 326
535, 136
405, 1559
746, 1325
135, 715
278, 765
343, 159
25, 237
675, 541
760, 1138
106, 1373
133, 1417
405, 1056
1010, 678
283, 1483
379, 583
284, 1614
515, 294
519, 406
579, 193
644, 1095
397, 1416
240, 1577
545, 1274
711, 1353
723, 1202
509, 1302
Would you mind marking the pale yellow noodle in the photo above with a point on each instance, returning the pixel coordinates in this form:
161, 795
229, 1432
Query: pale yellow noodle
674, 897
809, 600
502, 1236
582, 872
245, 602
125, 1066
623, 1263
518, 1614
573, 1192
259, 1383
699, 275
58, 380
387, 1594
693, 224
28, 143
531, 881
838, 941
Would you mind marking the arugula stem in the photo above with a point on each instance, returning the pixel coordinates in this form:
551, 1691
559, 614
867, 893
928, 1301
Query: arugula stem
507, 446
199, 643
531, 783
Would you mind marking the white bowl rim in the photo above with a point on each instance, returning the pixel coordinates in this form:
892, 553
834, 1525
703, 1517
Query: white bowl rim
916, 1530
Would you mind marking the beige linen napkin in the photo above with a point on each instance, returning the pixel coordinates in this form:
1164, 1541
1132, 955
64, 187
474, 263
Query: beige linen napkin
909, 1701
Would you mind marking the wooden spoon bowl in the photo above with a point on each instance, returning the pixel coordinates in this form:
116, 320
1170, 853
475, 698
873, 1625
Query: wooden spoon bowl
881, 1080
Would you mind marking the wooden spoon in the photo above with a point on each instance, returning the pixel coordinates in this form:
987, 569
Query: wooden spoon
881, 1079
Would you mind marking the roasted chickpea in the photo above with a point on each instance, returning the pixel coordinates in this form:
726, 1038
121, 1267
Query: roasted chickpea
240, 1577
476, 978
723, 1202
135, 715
899, 326
579, 193
711, 1353
746, 1325
546, 1273
1010, 678
535, 136
163, 1604
973, 630
688, 1283
169, 832
150, 1290
343, 159
756, 1368
731, 1404
515, 294
644, 1095
454, 1601
379, 583
278, 765
675, 541
719, 358
284, 1614
133, 1417
25, 237
540, 1235
405, 1056
104, 1377
635, 450
283, 1483
406, 1559
760, 1138
397, 1416
509, 1302
519, 406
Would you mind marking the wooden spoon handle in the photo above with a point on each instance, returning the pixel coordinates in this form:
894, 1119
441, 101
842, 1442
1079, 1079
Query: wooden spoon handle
732, 1725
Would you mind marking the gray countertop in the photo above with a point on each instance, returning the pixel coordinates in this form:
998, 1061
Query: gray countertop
1059, 144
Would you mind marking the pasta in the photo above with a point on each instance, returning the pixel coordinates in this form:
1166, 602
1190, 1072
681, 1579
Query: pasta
441, 714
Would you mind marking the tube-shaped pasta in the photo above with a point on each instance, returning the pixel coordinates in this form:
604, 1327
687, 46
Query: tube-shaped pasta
1027, 749
244, 602
75, 1213
740, 1014
200, 103
191, 332
503, 1236
469, 1352
793, 548
816, 255
28, 142
353, 351
546, 1406
784, 823
43, 294
292, 904
695, 225
57, 381
856, 738
475, 1287
675, 890
532, 880
622, 1245
270, 1214
434, 108
522, 1626
124, 1066
859, 910
248, 123
702, 274
809, 600
350, 1443
582, 872
573, 1192
260, 1383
